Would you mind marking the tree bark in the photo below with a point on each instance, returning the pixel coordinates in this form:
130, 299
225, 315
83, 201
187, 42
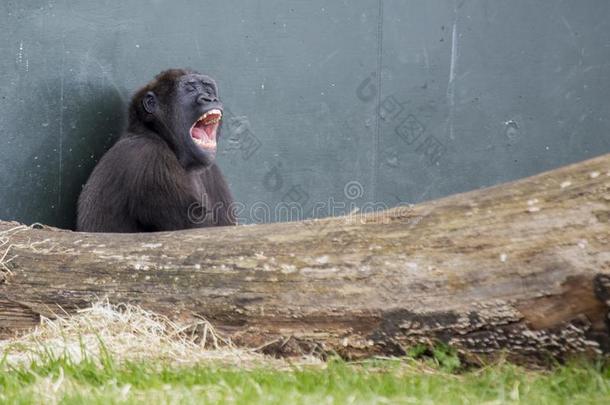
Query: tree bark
521, 268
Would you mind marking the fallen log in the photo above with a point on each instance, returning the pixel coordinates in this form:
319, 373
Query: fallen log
521, 268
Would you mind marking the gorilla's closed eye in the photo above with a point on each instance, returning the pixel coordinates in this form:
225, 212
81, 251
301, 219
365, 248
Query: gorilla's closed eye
194, 86
209, 89
191, 86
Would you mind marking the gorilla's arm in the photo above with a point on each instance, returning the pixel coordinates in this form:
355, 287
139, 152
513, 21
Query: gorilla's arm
222, 207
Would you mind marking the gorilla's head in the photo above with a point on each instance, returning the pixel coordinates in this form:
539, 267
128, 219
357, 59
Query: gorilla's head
183, 108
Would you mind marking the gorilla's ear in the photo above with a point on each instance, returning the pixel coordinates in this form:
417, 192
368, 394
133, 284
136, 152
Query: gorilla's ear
149, 102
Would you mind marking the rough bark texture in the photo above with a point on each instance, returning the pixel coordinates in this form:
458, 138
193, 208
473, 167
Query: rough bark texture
522, 268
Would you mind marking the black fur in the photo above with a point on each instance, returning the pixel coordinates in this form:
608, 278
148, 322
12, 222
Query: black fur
155, 178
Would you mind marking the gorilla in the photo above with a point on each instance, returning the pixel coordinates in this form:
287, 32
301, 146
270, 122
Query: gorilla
161, 174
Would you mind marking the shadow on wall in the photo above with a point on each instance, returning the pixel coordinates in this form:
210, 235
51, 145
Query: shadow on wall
48, 157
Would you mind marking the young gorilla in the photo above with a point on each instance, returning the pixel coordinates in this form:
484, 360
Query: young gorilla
161, 175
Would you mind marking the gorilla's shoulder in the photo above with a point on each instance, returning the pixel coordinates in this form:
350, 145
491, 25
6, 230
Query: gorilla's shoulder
138, 147
137, 153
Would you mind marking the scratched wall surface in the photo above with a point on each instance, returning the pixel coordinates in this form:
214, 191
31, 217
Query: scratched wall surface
331, 105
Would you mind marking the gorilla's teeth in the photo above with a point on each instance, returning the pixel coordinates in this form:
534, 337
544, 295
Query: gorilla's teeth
211, 112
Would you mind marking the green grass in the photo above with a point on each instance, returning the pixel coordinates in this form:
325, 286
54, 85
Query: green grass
58, 380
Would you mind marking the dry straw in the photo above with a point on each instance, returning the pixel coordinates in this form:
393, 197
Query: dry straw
127, 332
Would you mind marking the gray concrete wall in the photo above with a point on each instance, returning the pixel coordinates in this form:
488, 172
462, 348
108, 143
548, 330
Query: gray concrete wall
342, 103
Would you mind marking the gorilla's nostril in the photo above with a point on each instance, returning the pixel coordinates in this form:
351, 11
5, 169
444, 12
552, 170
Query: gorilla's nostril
206, 98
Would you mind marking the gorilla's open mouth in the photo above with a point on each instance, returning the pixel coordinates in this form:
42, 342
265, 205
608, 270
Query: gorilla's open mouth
204, 129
